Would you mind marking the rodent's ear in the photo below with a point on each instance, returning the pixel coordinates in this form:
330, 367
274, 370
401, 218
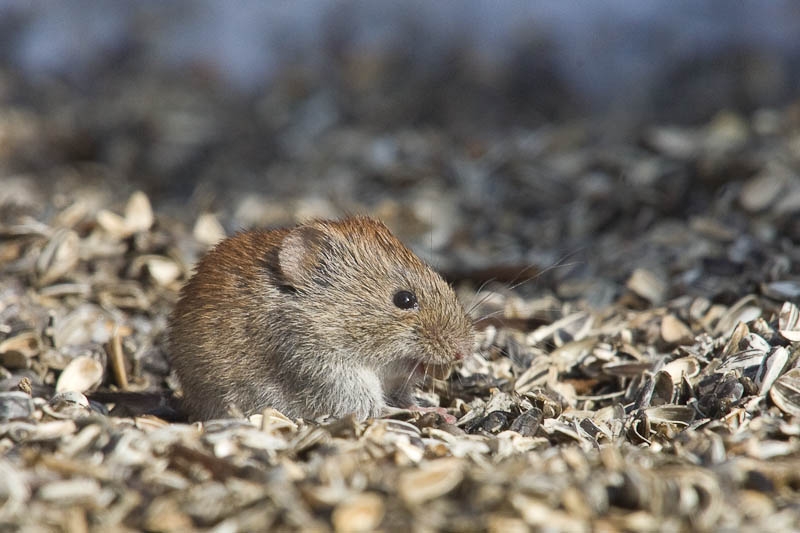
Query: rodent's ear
301, 253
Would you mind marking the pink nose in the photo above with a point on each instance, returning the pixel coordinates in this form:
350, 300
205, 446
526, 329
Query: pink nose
459, 356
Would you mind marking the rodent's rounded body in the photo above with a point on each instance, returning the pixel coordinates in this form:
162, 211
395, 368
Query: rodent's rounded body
328, 317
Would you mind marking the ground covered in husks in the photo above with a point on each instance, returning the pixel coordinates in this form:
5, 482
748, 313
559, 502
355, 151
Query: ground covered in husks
637, 364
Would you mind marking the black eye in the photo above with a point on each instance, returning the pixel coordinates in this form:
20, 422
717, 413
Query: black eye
405, 300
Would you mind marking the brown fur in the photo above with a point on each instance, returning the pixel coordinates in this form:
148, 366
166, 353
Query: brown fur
302, 319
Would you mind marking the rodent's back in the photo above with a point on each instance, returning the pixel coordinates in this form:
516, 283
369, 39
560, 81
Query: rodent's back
271, 317
214, 327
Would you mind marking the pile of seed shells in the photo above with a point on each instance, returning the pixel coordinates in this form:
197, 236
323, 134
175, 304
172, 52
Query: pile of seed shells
654, 385
632, 417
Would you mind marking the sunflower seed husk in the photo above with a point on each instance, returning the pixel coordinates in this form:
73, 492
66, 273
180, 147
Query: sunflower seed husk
80, 375
785, 392
789, 322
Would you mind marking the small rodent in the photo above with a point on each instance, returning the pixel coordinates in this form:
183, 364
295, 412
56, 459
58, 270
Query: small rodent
327, 317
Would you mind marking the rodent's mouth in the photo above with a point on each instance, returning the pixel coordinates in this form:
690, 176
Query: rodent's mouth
431, 369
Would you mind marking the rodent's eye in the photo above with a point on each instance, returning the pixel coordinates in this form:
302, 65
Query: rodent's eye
405, 300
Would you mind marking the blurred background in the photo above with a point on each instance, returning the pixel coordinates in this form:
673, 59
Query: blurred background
483, 132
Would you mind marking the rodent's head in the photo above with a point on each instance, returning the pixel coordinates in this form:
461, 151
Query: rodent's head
370, 292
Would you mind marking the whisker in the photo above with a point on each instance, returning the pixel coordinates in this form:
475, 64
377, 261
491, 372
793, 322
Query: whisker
521, 272
482, 286
408, 379
479, 302
432, 385
559, 263
489, 315
514, 284
497, 312
483, 353
551, 267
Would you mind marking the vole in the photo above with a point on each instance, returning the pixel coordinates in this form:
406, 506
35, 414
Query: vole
324, 318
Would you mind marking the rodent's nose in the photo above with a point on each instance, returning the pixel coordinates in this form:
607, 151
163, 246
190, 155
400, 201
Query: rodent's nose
459, 356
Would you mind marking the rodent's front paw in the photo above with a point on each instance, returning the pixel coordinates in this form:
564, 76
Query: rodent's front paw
450, 419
